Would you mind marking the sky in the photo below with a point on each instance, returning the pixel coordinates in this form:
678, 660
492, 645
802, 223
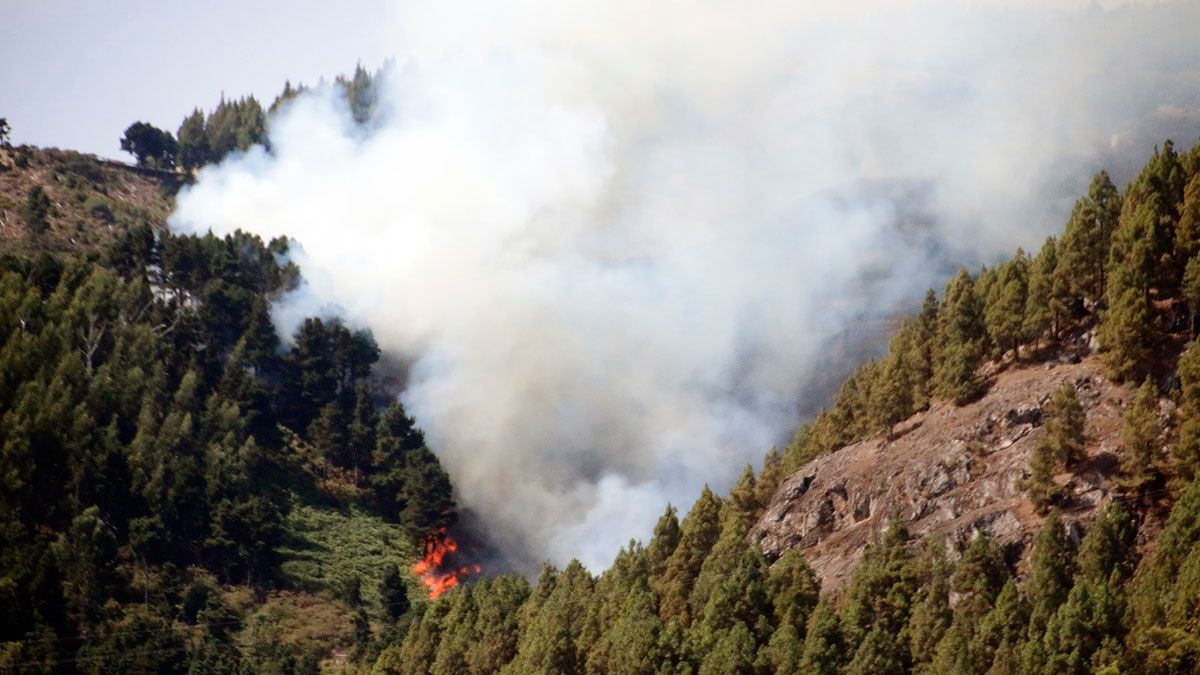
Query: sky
75, 73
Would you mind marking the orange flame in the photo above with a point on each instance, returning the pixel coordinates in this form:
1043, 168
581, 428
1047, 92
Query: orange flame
434, 569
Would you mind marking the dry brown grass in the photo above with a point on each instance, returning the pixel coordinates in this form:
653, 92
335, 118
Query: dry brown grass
94, 200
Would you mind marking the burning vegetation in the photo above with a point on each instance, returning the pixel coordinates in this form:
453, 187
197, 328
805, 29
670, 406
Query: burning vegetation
437, 568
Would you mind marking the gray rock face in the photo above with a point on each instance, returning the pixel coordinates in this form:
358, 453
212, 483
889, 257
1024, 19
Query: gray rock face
951, 471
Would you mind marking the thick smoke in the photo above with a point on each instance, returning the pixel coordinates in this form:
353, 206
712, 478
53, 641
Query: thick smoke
612, 236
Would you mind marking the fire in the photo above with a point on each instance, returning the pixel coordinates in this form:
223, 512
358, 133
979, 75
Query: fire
437, 572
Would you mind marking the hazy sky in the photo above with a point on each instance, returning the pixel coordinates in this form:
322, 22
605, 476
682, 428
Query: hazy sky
75, 73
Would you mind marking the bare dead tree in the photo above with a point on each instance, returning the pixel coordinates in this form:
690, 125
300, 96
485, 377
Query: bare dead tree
91, 339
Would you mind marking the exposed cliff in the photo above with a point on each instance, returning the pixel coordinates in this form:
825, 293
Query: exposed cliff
949, 470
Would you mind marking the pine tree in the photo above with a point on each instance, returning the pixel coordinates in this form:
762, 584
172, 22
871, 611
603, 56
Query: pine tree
824, 645
1061, 447
87, 557
151, 146
496, 631
1160, 188
977, 580
1065, 425
630, 570
852, 416
1000, 630
1183, 609
1191, 291
931, 614
1047, 301
1051, 568
960, 341
361, 95
1187, 232
743, 499
133, 639
880, 653
892, 395
327, 434
1090, 618
1007, 660
663, 542
739, 598
882, 587
458, 632
801, 449
362, 633
1127, 325
919, 358
194, 151
631, 645
289, 92
1039, 484
1140, 431
1156, 578
36, 210
1187, 448
734, 653
699, 532
1005, 308
1110, 545
769, 478
426, 494
361, 432
794, 590
396, 436
393, 596
720, 562
550, 640
784, 651
419, 647
1126, 333
1087, 238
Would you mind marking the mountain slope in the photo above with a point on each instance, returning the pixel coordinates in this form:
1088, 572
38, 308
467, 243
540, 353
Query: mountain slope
180, 490
92, 201
951, 470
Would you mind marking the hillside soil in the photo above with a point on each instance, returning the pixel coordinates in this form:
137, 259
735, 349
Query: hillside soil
952, 471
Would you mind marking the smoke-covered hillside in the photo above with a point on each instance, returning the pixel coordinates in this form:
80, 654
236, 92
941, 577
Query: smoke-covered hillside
598, 337
1011, 488
613, 241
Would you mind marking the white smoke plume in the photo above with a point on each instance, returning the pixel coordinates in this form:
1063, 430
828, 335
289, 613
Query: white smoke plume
612, 236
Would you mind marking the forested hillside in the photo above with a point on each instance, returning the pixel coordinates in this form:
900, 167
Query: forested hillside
701, 596
181, 489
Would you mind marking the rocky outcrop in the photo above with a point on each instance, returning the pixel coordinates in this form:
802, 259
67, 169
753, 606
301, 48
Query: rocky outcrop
953, 471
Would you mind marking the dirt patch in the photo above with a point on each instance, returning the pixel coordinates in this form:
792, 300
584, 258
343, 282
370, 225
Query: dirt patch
92, 200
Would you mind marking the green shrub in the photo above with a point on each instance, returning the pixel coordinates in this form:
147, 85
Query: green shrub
99, 209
